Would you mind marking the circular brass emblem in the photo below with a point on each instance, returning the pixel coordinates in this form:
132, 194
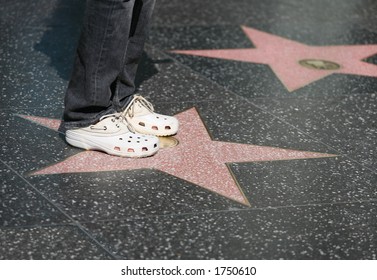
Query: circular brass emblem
319, 64
168, 142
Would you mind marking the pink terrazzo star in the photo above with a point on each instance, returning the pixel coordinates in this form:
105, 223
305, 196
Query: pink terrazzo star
283, 56
197, 159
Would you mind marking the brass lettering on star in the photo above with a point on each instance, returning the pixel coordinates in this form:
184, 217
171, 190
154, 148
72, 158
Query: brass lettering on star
318, 64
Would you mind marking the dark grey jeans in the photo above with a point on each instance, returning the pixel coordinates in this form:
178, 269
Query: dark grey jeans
109, 50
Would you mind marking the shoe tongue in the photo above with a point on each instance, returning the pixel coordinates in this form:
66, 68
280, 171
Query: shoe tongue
140, 110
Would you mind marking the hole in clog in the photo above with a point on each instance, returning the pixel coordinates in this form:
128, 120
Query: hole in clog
117, 149
141, 124
154, 127
167, 127
145, 149
155, 145
130, 150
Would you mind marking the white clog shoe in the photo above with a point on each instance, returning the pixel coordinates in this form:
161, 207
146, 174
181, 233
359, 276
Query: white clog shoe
141, 116
113, 136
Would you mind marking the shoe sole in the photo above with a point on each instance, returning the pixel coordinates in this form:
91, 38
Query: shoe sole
86, 144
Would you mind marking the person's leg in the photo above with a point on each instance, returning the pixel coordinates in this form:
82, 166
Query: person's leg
91, 120
125, 85
137, 111
99, 62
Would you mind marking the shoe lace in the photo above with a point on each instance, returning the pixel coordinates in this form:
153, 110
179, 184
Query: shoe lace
130, 109
117, 118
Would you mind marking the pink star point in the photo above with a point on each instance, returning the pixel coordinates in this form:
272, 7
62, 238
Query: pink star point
197, 159
283, 56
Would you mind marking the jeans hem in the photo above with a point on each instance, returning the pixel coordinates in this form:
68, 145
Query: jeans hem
84, 123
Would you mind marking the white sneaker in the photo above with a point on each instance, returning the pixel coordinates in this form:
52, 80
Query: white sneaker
113, 136
140, 114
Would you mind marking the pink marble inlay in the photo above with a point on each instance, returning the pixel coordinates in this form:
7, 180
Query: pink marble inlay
197, 158
47, 122
283, 56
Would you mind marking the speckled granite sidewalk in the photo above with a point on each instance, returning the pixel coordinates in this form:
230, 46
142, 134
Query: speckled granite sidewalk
277, 148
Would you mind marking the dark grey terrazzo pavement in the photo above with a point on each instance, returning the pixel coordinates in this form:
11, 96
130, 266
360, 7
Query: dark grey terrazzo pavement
300, 209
